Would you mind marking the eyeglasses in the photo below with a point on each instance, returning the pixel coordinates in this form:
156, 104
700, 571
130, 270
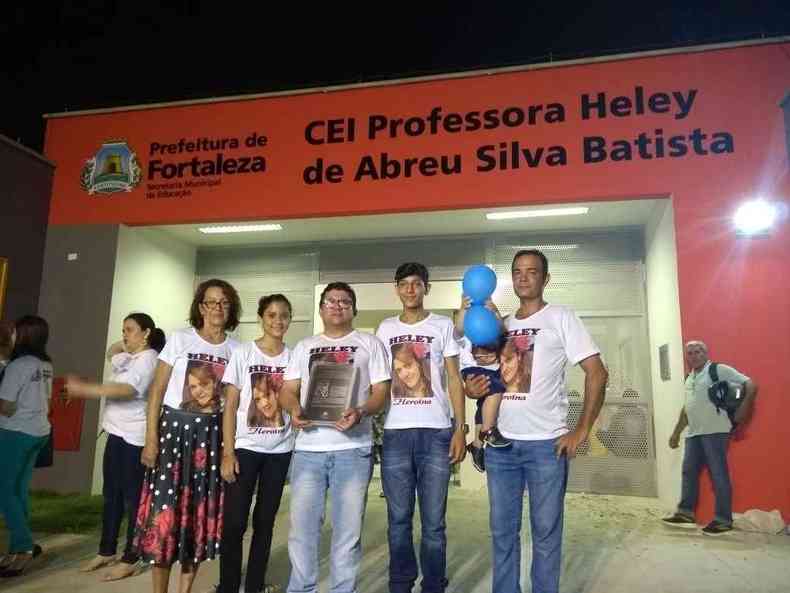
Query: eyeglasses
341, 303
217, 304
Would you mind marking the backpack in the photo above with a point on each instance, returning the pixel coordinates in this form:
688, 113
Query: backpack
724, 395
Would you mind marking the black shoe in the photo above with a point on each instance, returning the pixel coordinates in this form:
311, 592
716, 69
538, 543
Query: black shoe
680, 520
494, 438
478, 457
16, 568
715, 528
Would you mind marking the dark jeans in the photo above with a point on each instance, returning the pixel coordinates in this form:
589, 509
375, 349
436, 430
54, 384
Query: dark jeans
415, 460
533, 465
123, 480
265, 472
707, 450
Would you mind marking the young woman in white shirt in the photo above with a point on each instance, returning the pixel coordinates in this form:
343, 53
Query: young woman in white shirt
180, 514
133, 362
258, 463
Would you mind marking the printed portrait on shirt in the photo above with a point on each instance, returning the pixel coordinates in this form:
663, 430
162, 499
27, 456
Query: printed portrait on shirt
515, 363
411, 370
202, 386
264, 409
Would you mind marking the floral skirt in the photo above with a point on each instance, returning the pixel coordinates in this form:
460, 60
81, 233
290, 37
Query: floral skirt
180, 514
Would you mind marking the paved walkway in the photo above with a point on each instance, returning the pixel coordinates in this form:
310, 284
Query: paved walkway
612, 545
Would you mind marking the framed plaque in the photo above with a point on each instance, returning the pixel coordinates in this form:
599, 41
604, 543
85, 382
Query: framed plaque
329, 393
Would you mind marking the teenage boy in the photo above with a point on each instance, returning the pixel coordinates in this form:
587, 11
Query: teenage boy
424, 432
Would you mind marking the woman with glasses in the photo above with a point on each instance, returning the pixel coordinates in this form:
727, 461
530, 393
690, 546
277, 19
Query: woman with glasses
258, 464
180, 514
133, 362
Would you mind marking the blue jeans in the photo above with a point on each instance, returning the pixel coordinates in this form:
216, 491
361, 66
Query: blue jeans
345, 475
19, 451
531, 464
416, 460
710, 450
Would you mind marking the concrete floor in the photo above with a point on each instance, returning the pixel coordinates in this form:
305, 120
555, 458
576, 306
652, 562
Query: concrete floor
612, 545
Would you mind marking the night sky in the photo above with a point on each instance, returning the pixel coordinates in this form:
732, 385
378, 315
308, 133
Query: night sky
65, 56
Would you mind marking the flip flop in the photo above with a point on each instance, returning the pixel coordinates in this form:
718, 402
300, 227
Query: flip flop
97, 562
122, 570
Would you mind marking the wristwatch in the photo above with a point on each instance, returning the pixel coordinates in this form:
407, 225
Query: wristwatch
464, 427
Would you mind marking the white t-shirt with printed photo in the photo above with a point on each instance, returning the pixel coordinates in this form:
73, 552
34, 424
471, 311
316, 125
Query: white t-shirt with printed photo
536, 407
360, 349
198, 366
416, 353
126, 418
261, 425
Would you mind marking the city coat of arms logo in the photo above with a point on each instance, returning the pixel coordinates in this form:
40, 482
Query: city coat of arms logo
113, 169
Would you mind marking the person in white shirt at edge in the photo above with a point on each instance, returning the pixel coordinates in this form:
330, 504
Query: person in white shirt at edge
258, 464
420, 439
334, 460
133, 362
180, 513
541, 340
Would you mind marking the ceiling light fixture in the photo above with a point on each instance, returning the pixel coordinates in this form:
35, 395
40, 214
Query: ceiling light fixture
558, 247
536, 213
239, 228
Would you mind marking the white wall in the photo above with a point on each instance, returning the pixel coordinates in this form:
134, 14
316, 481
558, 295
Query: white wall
663, 308
155, 274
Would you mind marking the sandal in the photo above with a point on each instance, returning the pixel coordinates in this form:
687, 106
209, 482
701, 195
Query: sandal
122, 570
97, 562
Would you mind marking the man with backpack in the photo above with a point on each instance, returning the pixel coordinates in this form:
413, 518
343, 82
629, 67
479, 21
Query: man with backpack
711, 415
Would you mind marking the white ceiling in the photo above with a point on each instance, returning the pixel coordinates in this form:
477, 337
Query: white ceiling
602, 215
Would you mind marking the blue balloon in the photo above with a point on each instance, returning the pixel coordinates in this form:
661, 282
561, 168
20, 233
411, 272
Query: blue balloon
481, 326
479, 283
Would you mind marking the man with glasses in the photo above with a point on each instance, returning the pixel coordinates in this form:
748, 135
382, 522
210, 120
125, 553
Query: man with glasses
420, 439
334, 460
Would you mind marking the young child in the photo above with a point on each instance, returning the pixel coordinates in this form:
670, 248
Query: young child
483, 360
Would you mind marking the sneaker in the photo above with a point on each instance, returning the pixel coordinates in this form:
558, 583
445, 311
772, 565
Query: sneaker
680, 520
715, 528
494, 438
478, 457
